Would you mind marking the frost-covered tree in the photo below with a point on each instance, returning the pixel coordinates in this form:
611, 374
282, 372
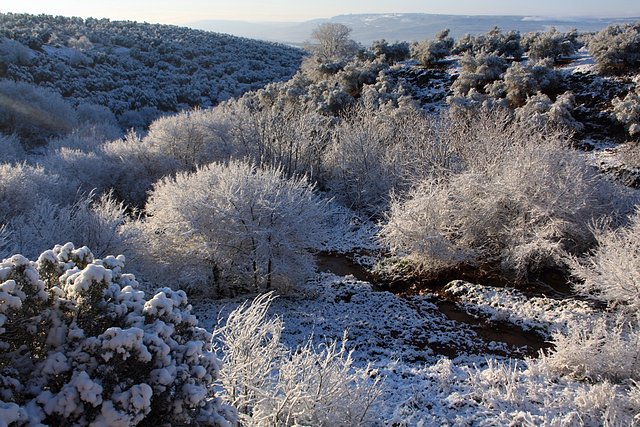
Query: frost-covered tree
616, 48
375, 152
331, 42
234, 225
82, 345
132, 166
191, 137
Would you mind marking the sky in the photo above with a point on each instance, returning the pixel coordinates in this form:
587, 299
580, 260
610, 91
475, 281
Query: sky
185, 11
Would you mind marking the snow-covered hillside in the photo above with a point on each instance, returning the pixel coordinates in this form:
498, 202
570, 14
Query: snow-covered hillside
130, 66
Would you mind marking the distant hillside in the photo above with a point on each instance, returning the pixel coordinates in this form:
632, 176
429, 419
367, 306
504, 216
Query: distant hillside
130, 66
408, 26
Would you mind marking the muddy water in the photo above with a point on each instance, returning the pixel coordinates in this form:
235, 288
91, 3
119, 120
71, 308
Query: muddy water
508, 333
520, 341
342, 265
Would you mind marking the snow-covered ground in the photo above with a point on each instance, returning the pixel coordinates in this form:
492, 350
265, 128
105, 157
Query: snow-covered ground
438, 364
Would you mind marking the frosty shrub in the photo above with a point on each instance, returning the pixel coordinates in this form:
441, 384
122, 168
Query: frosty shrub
542, 113
493, 41
133, 165
517, 201
189, 137
375, 152
11, 149
627, 110
13, 52
611, 272
607, 348
270, 385
478, 71
22, 186
391, 53
34, 113
98, 120
504, 393
281, 135
91, 220
551, 44
520, 82
234, 225
432, 51
81, 345
616, 49
80, 171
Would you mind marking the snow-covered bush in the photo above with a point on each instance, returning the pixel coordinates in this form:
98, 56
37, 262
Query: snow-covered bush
13, 52
607, 348
270, 385
551, 44
22, 186
191, 137
81, 345
541, 112
616, 49
517, 202
390, 53
611, 273
375, 152
91, 220
520, 82
478, 71
34, 113
627, 110
432, 51
11, 149
493, 41
233, 225
132, 166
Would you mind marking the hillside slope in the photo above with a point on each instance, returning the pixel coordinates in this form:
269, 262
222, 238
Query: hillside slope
132, 66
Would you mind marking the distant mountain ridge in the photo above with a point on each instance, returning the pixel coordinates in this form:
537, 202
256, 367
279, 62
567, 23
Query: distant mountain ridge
404, 26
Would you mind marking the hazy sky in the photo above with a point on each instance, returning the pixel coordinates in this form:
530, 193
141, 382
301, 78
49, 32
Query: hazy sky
179, 12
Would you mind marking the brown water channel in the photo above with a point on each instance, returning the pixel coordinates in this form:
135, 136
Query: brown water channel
515, 337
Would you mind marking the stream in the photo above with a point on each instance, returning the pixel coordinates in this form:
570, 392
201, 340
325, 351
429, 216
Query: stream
519, 341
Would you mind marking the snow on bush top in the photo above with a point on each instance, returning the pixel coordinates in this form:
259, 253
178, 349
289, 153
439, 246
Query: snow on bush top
81, 345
